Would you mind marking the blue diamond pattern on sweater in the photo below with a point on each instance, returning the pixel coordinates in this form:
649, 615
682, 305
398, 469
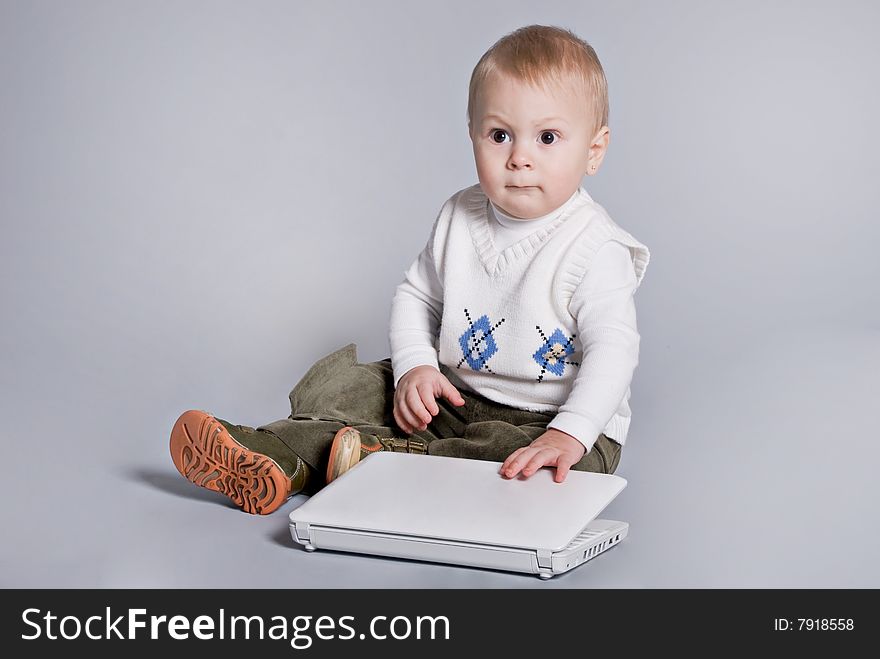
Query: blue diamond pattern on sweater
553, 351
477, 343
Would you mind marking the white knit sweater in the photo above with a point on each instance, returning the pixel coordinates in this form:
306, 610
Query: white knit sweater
546, 323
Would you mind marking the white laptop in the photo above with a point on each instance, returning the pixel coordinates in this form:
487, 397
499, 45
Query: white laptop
459, 511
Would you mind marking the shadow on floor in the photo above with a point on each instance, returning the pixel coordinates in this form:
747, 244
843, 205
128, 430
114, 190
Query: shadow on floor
281, 535
173, 483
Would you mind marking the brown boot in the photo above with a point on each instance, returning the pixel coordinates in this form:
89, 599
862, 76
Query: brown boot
350, 447
252, 467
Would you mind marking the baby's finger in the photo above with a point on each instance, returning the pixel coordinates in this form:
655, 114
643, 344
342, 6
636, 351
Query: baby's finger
450, 393
417, 408
409, 418
544, 456
562, 467
517, 460
398, 418
506, 465
427, 395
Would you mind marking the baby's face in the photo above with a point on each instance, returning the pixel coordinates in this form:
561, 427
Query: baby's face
532, 148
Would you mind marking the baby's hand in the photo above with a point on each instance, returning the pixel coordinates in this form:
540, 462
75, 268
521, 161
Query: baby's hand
554, 448
414, 405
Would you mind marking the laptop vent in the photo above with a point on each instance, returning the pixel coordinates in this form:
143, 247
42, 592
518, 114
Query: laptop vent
583, 537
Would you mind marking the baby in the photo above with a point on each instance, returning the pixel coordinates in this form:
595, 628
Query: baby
513, 335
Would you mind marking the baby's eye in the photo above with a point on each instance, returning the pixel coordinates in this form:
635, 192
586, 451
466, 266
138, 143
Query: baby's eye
495, 133
548, 137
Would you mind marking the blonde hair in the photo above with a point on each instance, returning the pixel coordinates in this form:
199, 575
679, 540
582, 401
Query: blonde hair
542, 54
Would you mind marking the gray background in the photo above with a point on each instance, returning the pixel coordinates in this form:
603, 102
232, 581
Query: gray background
200, 199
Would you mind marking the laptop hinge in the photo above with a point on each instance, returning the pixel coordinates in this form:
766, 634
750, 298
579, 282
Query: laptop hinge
544, 559
302, 532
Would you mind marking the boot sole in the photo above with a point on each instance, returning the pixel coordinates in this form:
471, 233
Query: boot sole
345, 453
206, 454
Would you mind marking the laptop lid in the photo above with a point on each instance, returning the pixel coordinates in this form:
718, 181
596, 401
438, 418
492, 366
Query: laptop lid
460, 500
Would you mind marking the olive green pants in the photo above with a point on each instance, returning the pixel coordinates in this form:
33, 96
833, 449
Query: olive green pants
339, 391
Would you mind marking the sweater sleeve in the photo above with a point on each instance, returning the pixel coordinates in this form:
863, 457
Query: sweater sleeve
416, 311
605, 311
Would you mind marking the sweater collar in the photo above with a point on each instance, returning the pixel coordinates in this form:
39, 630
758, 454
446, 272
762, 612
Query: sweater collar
478, 209
511, 222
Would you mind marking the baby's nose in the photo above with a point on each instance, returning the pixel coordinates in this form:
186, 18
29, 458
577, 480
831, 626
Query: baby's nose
520, 157
520, 161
